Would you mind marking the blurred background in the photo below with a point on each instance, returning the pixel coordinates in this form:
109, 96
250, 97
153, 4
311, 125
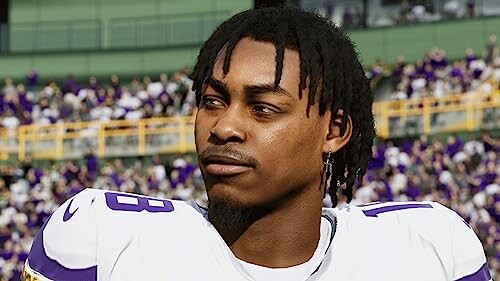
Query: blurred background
96, 94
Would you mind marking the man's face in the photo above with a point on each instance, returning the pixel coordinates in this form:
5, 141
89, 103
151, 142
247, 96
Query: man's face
257, 146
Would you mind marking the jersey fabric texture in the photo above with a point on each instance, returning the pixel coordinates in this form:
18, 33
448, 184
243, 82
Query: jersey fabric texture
110, 236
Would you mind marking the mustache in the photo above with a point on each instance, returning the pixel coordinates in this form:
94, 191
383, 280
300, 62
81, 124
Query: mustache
230, 152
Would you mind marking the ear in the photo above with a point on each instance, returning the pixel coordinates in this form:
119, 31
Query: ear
334, 141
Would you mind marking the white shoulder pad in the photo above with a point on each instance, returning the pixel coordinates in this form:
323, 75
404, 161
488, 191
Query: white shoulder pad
458, 247
65, 247
469, 260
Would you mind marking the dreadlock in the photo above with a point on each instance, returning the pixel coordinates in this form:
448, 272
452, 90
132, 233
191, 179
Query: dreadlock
327, 58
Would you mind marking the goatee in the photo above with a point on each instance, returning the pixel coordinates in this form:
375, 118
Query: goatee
230, 219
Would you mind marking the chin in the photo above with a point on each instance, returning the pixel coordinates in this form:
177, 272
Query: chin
231, 194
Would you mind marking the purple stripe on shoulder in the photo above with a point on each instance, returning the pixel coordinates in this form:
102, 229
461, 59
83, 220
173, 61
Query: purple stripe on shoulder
41, 263
376, 211
483, 274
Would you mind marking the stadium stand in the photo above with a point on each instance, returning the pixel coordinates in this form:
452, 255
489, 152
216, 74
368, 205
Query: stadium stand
435, 75
393, 12
74, 102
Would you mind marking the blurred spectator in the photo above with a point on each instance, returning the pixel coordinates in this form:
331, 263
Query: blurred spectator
8, 85
470, 8
115, 93
397, 70
32, 79
491, 50
93, 85
470, 56
451, 9
92, 165
329, 7
70, 85
418, 13
376, 70
10, 120
348, 18
404, 12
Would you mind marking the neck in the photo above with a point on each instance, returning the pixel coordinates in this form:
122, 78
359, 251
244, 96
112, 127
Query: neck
285, 236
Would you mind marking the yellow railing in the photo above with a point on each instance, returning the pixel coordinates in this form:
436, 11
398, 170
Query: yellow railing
4, 144
423, 110
116, 137
175, 135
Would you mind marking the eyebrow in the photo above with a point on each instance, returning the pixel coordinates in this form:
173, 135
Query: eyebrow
266, 88
217, 85
256, 89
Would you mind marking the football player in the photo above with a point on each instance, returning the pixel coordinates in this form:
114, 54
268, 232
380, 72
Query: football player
285, 117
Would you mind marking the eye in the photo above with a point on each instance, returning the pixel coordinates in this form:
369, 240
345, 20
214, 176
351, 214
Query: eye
262, 109
211, 101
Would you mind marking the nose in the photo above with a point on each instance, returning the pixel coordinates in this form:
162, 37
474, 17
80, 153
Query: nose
230, 126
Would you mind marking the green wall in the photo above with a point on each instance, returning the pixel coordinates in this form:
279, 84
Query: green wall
414, 41
100, 37
99, 63
23, 11
42, 25
137, 44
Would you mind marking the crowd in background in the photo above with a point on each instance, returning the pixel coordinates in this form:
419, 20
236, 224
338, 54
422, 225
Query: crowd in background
361, 14
71, 101
436, 76
424, 11
461, 174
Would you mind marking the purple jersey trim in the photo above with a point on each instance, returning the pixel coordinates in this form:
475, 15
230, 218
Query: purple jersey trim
67, 214
41, 263
376, 211
483, 274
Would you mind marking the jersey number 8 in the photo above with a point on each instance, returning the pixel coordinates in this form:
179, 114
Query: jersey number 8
137, 203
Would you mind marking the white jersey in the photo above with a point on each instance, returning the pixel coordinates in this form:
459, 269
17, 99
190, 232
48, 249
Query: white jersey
110, 236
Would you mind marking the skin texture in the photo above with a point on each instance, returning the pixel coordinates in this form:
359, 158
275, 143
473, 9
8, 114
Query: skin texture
240, 115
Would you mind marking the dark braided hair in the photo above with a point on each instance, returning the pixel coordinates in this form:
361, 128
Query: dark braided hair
327, 58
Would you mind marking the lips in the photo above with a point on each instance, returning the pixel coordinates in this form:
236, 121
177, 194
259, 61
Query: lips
224, 165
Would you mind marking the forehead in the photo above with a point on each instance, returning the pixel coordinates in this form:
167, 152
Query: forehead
254, 62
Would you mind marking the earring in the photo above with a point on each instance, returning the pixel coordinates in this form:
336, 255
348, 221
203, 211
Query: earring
329, 168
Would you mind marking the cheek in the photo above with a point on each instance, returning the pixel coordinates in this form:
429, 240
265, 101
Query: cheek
201, 131
294, 149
